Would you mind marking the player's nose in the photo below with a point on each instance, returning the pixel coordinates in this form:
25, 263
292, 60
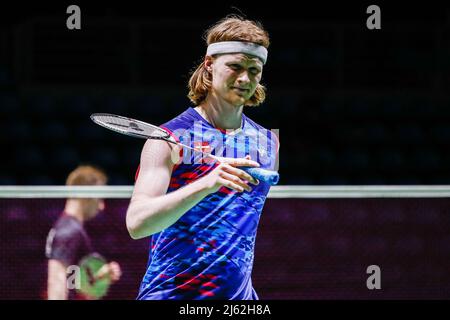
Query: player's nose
243, 78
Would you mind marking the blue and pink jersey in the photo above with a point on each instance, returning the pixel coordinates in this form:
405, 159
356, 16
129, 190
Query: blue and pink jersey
208, 253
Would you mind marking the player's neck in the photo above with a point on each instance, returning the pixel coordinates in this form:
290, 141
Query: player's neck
73, 208
221, 115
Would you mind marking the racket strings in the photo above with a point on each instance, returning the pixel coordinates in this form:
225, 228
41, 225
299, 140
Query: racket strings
130, 126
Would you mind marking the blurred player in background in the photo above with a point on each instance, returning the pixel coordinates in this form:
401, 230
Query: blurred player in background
68, 243
203, 216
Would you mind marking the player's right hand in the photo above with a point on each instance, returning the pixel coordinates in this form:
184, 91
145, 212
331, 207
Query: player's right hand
226, 174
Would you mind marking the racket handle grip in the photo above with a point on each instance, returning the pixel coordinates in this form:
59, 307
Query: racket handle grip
267, 176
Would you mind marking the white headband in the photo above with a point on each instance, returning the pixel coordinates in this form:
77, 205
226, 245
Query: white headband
238, 47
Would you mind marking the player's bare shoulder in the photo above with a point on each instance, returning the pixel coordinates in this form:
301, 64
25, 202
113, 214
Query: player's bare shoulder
159, 152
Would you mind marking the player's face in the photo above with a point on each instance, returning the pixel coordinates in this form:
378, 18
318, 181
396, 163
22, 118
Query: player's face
235, 77
92, 207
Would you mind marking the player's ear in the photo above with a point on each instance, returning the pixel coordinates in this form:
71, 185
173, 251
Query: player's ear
101, 205
208, 63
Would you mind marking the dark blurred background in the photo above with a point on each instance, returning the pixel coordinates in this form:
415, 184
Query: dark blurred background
352, 105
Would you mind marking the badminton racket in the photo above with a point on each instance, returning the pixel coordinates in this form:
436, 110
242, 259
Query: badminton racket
140, 129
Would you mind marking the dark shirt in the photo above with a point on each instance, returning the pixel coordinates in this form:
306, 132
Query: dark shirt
68, 241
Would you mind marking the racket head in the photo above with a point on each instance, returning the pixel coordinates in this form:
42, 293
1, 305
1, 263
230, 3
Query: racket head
129, 126
89, 287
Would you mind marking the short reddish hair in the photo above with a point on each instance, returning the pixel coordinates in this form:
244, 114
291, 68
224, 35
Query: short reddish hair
86, 175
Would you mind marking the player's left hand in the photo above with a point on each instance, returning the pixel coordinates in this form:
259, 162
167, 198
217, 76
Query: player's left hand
111, 270
238, 162
114, 271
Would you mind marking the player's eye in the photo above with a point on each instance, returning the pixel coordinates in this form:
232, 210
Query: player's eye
254, 71
234, 66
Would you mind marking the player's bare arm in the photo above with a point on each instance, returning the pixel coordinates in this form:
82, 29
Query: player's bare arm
57, 285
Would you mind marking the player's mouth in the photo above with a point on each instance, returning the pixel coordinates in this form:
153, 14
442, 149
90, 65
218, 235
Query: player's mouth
241, 90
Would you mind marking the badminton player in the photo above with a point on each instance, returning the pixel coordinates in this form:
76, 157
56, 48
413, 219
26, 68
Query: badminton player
203, 215
68, 242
